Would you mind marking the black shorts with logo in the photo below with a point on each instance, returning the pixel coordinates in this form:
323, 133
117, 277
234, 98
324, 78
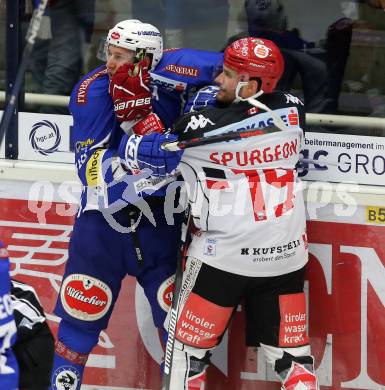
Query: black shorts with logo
260, 297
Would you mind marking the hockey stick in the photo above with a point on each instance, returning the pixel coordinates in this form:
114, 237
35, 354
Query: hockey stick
279, 125
230, 136
33, 29
236, 135
174, 311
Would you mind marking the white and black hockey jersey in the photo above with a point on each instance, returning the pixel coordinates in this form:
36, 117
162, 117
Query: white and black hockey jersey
34, 347
246, 199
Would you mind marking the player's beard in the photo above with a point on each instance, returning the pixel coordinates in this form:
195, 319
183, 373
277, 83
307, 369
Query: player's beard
222, 104
225, 99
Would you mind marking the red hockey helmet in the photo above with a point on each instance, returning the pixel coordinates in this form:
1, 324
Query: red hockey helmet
259, 58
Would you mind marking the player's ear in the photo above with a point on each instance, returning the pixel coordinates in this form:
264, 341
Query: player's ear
254, 86
250, 89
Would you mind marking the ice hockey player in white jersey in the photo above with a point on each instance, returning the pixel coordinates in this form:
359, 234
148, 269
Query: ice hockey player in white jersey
249, 237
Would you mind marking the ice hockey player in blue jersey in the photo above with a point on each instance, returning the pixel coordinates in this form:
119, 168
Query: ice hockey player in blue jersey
9, 373
120, 111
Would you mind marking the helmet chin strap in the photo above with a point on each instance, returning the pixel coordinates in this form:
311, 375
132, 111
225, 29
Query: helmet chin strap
256, 103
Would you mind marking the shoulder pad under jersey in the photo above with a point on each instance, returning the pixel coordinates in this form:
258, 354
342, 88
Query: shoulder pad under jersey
284, 100
92, 84
191, 66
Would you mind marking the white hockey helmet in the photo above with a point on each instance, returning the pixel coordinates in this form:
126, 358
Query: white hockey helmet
134, 35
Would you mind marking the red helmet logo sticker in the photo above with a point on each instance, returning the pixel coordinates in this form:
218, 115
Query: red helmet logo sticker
84, 297
261, 51
165, 293
115, 35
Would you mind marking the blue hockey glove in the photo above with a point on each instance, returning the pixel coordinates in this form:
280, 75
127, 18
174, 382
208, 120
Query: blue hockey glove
205, 97
151, 156
144, 152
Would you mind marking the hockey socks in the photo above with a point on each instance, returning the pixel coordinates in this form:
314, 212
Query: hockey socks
71, 353
188, 372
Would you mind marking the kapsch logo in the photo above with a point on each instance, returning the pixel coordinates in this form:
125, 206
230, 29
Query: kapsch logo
85, 297
45, 137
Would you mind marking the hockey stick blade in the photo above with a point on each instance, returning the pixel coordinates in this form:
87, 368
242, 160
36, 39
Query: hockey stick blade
230, 136
33, 29
169, 353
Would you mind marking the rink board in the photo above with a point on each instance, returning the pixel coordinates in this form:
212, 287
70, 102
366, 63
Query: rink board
345, 279
346, 291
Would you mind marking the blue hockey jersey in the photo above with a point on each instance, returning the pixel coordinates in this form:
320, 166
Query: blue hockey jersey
9, 374
96, 135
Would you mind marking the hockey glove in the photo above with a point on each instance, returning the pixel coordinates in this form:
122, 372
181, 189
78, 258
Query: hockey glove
151, 156
150, 124
139, 153
205, 97
130, 92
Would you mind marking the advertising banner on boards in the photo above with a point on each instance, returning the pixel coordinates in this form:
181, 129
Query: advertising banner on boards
344, 158
326, 157
345, 288
44, 137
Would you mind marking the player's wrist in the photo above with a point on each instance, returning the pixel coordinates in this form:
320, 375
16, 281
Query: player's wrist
148, 125
127, 126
